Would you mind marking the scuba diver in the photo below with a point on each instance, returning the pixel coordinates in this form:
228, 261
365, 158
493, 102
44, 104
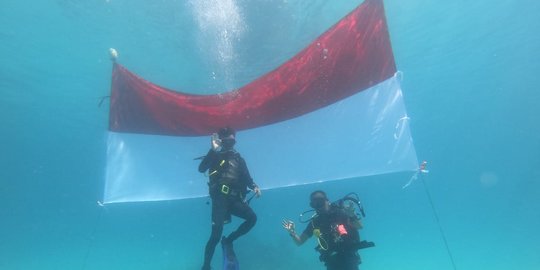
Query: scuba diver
336, 227
229, 180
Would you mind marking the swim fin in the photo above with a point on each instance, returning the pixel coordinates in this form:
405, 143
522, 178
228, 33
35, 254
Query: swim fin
230, 262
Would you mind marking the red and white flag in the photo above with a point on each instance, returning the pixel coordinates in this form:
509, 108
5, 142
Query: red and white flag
334, 111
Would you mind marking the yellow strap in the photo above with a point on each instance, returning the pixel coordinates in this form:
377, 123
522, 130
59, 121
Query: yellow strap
215, 171
225, 189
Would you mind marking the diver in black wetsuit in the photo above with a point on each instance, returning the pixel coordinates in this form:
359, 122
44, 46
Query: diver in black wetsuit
229, 179
336, 229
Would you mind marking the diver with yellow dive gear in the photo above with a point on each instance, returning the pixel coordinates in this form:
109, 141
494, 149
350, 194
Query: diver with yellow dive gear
336, 227
229, 180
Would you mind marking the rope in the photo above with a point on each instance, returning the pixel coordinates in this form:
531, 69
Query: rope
92, 235
439, 224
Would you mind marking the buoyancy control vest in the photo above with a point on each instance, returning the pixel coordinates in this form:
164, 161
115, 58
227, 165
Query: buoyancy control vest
335, 231
228, 170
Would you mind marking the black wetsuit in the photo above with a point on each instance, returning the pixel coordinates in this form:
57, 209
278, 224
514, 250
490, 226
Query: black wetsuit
229, 179
338, 252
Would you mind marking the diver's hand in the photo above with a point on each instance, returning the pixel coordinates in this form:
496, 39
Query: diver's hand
257, 191
215, 142
288, 225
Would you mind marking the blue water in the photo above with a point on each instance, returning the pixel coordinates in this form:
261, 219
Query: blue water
470, 86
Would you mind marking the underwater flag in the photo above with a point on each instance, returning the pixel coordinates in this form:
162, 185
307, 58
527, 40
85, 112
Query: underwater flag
333, 111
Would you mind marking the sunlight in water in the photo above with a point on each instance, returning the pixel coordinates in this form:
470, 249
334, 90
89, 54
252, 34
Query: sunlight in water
221, 26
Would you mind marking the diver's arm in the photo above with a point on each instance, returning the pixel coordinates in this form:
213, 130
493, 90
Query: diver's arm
298, 239
207, 161
250, 184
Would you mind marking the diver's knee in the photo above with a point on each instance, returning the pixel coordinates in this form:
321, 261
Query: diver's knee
252, 219
214, 240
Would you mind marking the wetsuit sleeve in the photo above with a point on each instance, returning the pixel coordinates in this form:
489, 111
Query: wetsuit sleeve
307, 233
207, 161
247, 176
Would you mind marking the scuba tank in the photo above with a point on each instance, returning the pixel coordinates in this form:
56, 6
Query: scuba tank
350, 203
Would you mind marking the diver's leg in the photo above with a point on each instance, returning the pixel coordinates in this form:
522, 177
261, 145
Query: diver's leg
242, 210
219, 213
217, 230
